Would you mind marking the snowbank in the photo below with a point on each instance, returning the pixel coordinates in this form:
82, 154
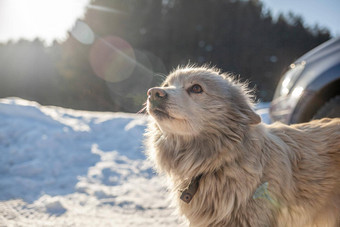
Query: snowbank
62, 167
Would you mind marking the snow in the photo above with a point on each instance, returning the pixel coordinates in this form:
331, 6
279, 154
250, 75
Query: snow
63, 167
262, 109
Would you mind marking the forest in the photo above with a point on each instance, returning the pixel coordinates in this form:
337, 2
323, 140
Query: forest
123, 47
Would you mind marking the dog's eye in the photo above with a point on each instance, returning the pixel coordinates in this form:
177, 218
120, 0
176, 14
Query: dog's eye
196, 89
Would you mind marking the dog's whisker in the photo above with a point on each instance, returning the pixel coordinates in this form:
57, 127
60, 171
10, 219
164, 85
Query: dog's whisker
142, 111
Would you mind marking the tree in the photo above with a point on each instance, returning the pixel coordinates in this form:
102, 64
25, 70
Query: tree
136, 42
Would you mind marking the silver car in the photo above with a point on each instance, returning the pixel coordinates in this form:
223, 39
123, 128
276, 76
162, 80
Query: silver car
310, 89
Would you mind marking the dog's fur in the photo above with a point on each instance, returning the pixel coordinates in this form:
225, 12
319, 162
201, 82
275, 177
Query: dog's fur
217, 134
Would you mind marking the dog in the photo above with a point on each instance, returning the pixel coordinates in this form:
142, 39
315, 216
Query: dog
226, 168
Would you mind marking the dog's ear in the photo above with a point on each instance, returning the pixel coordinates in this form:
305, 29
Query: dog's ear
252, 117
243, 97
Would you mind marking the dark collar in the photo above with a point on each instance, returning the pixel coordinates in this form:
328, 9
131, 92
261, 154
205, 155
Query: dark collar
190, 191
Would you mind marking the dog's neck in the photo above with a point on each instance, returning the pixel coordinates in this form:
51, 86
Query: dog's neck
186, 157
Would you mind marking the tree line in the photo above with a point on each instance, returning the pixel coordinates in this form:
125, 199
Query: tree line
123, 47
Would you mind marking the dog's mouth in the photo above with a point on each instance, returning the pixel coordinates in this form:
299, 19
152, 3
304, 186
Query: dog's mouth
160, 113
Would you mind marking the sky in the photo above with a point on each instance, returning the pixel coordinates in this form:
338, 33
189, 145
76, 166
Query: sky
50, 20
325, 13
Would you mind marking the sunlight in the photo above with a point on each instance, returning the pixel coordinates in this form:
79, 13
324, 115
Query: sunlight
47, 20
105, 9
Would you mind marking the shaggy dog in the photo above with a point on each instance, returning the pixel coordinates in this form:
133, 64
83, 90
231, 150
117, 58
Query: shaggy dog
226, 168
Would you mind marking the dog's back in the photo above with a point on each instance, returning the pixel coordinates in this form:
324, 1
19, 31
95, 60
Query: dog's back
314, 150
320, 136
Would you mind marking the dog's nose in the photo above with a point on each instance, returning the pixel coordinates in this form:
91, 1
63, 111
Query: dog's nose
156, 93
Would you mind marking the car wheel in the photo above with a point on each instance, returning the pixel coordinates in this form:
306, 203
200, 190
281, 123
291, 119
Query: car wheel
329, 109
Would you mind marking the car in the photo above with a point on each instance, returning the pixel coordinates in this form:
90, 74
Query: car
310, 88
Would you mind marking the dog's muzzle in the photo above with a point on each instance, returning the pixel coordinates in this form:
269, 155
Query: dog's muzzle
157, 95
157, 98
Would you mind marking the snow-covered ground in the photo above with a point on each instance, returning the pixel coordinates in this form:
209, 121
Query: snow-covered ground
63, 167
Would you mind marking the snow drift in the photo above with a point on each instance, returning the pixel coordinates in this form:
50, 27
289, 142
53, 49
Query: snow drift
62, 167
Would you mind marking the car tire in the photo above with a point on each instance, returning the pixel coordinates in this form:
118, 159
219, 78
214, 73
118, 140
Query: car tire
330, 109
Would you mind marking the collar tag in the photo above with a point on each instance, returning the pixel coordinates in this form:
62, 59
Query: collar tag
189, 192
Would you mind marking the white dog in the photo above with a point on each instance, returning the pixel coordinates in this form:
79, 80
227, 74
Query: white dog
228, 169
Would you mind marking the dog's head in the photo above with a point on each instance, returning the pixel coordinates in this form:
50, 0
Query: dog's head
195, 100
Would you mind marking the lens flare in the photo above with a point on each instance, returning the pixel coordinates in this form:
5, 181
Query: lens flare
112, 59
140, 79
105, 9
83, 33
